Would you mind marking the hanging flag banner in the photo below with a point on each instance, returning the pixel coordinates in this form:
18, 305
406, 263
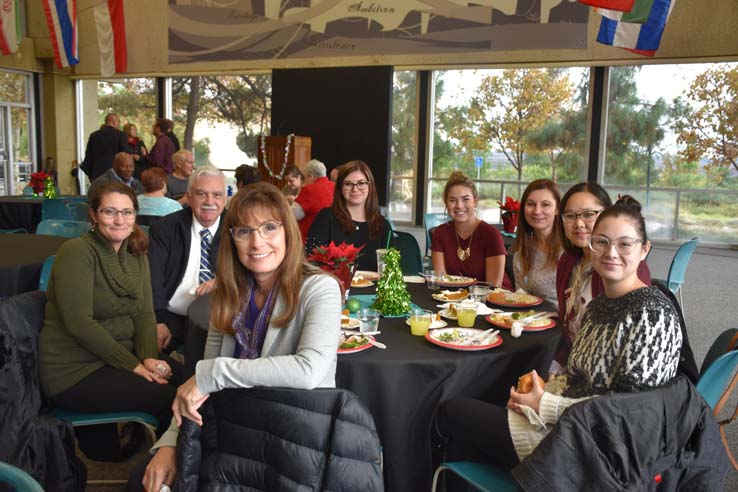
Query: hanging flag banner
110, 23
310, 29
61, 17
11, 29
621, 5
638, 14
643, 39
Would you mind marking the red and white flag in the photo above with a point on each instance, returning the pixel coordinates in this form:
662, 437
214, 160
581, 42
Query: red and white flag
10, 27
110, 22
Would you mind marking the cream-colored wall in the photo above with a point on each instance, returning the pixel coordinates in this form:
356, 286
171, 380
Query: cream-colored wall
59, 128
697, 30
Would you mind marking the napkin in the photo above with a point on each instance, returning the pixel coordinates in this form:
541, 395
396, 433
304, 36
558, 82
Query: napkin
516, 329
413, 279
533, 417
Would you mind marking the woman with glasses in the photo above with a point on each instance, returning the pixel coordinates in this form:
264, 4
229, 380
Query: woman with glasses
467, 245
354, 216
97, 348
272, 325
577, 283
537, 245
630, 341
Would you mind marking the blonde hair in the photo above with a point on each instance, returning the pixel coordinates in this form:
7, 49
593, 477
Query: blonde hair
233, 280
457, 178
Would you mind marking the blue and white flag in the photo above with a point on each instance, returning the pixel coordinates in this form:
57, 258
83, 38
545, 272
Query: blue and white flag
640, 38
61, 17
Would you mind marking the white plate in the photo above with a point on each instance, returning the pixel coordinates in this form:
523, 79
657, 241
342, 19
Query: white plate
413, 279
437, 323
353, 323
446, 314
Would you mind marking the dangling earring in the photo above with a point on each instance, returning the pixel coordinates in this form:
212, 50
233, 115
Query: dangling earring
94, 224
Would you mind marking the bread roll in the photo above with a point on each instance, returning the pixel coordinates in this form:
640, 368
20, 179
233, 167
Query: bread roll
525, 382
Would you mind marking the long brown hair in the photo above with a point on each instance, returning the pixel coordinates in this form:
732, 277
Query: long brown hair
371, 207
525, 244
232, 279
138, 243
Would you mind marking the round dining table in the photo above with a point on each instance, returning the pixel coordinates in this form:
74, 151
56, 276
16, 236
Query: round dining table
22, 258
404, 384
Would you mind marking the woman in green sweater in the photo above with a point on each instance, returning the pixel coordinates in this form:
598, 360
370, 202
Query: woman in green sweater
97, 348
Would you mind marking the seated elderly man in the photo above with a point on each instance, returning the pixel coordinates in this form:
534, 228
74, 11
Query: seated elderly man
184, 164
316, 194
121, 171
183, 248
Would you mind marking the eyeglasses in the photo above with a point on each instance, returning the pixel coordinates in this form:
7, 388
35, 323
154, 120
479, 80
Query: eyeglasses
111, 213
586, 216
267, 230
624, 245
359, 185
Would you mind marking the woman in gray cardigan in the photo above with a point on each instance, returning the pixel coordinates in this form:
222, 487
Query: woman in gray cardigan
275, 321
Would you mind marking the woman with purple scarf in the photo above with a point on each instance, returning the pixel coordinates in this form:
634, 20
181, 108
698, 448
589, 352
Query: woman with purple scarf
269, 317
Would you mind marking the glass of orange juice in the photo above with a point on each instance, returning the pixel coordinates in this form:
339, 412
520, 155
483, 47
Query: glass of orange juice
420, 321
466, 313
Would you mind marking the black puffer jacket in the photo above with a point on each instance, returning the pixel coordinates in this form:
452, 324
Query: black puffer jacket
279, 440
40, 444
664, 439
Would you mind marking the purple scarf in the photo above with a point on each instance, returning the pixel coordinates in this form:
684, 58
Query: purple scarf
251, 339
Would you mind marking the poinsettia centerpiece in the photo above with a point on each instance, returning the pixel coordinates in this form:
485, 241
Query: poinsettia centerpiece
339, 259
38, 181
510, 211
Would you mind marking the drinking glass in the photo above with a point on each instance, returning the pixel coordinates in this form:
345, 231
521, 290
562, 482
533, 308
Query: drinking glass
380, 260
466, 313
368, 320
479, 292
420, 321
431, 279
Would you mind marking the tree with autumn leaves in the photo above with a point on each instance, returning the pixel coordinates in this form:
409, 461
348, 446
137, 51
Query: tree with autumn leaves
507, 108
707, 124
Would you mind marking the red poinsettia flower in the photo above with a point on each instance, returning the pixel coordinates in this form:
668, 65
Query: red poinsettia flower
38, 180
511, 205
334, 255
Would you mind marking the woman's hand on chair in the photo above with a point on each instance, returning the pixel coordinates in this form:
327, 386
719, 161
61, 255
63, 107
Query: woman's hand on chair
158, 367
188, 400
160, 470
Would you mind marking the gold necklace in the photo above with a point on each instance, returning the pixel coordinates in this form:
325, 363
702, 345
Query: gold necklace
463, 254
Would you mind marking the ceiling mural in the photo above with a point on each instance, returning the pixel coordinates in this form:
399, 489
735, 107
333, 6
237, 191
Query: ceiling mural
215, 30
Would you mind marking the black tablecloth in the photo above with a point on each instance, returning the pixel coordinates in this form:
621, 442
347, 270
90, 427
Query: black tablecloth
21, 259
403, 385
20, 211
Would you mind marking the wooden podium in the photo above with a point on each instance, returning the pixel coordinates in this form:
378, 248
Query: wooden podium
298, 154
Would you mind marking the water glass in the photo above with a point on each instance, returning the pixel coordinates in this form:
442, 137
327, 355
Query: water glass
368, 320
420, 321
466, 313
380, 260
431, 279
479, 292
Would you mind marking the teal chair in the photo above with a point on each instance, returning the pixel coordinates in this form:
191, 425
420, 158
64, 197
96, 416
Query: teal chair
411, 259
431, 221
63, 228
55, 208
43, 281
714, 381
79, 210
678, 267
19, 230
81, 419
17, 479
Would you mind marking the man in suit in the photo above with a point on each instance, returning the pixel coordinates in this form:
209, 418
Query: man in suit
183, 248
102, 147
122, 171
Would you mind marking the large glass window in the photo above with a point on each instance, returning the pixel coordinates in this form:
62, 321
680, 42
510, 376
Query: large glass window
504, 128
673, 146
134, 100
404, 156
220, 117
16, 132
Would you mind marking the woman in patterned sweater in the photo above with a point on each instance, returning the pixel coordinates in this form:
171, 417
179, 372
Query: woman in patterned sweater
630, 341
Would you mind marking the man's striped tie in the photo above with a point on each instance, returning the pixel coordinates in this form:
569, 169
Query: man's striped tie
206, 269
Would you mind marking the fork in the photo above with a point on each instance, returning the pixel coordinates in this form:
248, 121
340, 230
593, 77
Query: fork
491, 333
